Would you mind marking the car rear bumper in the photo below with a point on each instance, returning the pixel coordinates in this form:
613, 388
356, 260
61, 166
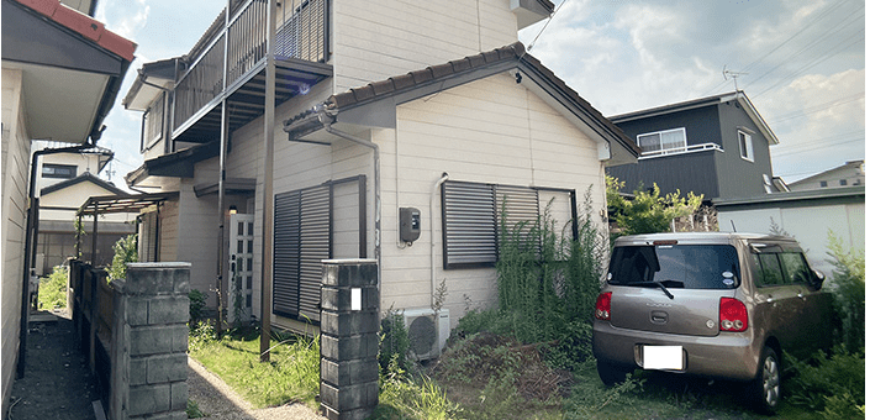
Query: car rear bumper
726, 356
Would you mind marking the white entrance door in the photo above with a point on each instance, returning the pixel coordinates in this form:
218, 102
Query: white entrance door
241, 268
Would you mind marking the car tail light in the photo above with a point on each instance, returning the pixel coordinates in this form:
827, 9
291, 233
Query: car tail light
602, 306
732, 315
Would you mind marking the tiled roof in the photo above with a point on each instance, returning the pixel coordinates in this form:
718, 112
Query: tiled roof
394, 84
515, 52
83, 25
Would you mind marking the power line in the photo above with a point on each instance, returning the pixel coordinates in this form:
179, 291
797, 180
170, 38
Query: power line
859, 37
818, 108
815, 20
823, 37
816, 147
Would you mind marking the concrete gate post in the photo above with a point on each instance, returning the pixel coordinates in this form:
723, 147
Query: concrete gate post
149, 343
349, 338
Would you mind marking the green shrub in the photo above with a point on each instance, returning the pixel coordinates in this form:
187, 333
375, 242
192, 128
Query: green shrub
832, 385
125, 252
848, 288
648, 212
394, 342
197, 304
52, 289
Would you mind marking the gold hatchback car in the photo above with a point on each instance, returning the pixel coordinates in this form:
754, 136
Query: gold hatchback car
717, 305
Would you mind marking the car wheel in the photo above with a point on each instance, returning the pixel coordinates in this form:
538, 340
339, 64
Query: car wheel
765, 391
612, 374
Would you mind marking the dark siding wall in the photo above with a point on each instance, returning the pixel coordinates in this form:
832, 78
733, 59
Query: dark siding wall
739, 177
695, 172
702, 125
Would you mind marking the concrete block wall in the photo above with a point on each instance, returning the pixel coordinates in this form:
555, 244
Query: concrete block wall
149, 343
349, 339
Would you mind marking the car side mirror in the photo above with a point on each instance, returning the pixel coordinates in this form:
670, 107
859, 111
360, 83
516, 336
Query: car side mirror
817, 279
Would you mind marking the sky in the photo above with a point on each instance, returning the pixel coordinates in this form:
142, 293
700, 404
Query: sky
801, 63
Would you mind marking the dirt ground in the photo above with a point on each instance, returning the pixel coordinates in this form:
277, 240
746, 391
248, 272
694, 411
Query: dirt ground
57, 384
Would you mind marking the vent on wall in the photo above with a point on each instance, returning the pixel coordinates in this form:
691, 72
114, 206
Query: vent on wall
427, 331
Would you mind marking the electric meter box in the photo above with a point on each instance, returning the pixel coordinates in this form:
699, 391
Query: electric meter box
409, 224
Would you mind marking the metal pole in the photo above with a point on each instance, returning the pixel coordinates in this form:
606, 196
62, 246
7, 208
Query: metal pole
222, 175
268, 200
94, 242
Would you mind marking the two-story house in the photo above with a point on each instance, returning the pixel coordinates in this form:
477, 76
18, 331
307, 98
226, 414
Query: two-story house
61, 73
384, 112
718, 146
64, 181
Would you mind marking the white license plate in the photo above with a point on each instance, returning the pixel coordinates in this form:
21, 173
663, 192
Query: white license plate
663, 357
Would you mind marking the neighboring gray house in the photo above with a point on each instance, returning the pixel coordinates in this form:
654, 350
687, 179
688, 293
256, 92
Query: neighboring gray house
717, 146
848, 175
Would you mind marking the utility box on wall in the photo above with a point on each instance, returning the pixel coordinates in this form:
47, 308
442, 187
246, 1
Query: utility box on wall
409, 224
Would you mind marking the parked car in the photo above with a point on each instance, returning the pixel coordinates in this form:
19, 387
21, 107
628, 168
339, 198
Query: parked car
717, 305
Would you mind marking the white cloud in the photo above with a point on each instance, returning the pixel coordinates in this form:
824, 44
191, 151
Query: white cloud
124, 18
820, 121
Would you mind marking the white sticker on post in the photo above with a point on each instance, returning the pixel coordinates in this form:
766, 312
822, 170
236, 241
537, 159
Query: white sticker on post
663, 357
355, 299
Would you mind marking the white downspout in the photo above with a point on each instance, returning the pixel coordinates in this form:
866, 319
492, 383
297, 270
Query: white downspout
326, 120
434, 285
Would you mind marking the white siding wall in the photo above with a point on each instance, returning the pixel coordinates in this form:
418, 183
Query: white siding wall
15, 165
377, 39
492, 131
809, 224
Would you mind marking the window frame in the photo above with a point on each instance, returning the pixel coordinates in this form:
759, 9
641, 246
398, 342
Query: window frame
488, 260
744, 143
157, 109
662, 151
73, 169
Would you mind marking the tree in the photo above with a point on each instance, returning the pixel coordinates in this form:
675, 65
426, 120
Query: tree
648, 212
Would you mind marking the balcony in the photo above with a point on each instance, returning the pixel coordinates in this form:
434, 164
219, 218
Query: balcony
229, 62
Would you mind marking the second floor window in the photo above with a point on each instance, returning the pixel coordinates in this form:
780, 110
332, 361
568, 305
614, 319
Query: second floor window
152, 127
745, 142
59, 171
663, 142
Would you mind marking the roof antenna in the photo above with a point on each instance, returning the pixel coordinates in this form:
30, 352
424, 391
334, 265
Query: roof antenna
726, 74
733, 227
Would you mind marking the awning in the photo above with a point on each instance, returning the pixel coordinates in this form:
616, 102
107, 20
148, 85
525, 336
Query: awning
122, 203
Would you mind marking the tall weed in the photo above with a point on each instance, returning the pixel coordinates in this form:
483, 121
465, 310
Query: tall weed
848, 287
834, 386
547, 283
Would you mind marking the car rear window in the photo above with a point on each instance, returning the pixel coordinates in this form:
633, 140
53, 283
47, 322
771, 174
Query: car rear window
686, 266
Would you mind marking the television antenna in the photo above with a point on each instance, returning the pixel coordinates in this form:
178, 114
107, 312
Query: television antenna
733, 75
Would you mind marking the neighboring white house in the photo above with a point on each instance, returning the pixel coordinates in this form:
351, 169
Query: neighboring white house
61, 73
807, 215
375, 126
848, 175
64, 182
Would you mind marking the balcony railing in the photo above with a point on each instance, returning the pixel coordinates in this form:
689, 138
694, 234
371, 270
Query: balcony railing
301, 34
681, 150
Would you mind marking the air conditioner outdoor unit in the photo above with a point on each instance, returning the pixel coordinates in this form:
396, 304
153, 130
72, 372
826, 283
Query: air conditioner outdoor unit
427, 332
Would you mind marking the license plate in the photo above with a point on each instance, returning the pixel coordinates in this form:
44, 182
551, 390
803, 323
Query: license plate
663, 357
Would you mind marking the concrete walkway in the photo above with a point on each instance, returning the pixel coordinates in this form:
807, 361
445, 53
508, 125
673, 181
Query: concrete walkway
219, 402
57, 383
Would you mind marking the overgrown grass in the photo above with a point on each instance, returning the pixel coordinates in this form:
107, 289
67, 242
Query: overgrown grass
292, 375
52, 289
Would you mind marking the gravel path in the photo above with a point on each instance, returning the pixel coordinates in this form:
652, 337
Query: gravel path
219, 402
57, 383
